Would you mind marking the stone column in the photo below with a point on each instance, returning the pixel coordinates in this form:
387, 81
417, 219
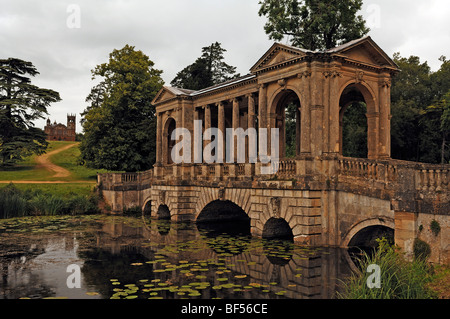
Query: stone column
372, 134
235, 124
207, 126
334, 124
263, 147
326, 112
251, 116
316, 107
384, 150
221, 123
305, 144
197, 150
158, 139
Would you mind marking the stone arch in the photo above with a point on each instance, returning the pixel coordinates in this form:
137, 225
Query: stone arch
354, 91
277, 228
239, 196
169, 126
278, 102
276, 208
163, 212
370, 222
147, 207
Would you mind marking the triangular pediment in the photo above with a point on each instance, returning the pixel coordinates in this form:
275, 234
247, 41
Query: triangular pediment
168, 92
277, 54
364, 50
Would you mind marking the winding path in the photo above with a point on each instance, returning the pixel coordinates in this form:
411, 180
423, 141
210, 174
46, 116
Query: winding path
43, 161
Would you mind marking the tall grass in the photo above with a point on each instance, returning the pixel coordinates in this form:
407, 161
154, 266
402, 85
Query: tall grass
17, 203
400, 279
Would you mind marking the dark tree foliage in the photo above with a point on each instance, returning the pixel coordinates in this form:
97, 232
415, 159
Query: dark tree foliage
21, 103
354, 131
419, 127
207, 70
313, 24
120, 123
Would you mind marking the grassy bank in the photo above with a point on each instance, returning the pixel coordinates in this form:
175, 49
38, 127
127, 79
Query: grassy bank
32, 201
29, 170
399, 278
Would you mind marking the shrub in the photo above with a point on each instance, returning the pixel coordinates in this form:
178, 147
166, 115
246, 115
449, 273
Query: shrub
132, 211
435, 227
421, 249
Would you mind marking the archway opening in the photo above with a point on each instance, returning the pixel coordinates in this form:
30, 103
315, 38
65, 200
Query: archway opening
170, 127
353, 123
287, 120
147, 211
163, 212
219, 217
277, 228
365, 240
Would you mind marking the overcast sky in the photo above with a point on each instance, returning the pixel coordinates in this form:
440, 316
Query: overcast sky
66, 39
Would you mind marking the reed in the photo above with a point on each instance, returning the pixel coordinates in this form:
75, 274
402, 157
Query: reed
400, 279
17, 203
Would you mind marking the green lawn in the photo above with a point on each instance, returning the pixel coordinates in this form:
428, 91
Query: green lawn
28, 169
68, 160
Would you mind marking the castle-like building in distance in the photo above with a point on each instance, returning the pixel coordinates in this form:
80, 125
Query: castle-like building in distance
61, 132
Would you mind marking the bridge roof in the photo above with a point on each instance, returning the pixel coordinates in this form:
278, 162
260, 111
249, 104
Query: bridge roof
363, 51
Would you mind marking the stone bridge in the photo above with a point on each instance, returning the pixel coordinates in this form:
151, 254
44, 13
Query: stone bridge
319, 197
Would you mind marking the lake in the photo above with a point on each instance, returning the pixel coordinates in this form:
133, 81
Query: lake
134, 258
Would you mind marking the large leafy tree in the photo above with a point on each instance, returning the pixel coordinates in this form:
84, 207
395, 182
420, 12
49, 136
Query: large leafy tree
313, 24
120, 123
207, 70
418, 128
410, 95
21, 103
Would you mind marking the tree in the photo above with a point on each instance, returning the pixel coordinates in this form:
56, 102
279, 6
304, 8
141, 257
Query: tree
410, 95
354, 131
21, 103
418, 102
313, 24
207, 70
438, 115
119, 124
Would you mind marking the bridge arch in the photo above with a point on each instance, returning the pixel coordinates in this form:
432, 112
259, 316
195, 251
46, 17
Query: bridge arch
366, 225
147, 207
240, 197
277, 228
285, 103
163, 212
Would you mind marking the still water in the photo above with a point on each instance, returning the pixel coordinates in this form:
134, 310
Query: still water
128, 258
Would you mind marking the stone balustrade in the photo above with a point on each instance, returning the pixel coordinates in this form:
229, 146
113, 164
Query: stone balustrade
432, 178
287, 167
369, 169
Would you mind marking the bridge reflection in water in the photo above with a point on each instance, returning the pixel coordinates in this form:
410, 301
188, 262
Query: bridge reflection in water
222, 264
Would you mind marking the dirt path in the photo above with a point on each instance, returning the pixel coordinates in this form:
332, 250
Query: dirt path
48, 182
44, 162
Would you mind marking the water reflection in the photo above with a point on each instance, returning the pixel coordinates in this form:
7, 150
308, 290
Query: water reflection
125, 258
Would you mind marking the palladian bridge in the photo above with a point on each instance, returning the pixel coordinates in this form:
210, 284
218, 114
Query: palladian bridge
319, 197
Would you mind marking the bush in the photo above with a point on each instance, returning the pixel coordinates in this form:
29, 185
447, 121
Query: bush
400, 279
421, 249
132, 211
435, 227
